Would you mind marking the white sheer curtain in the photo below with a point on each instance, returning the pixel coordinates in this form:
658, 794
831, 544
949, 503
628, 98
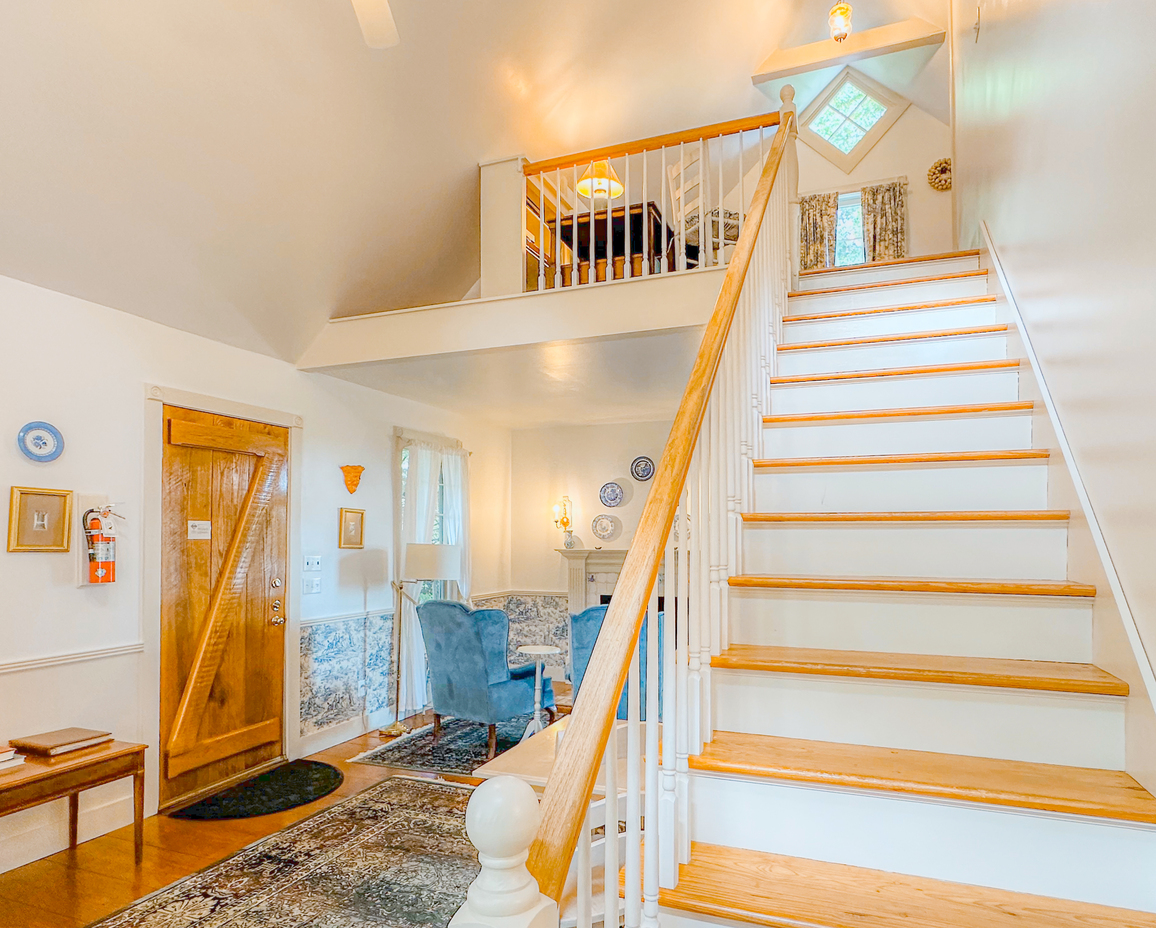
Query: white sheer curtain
418, 514
456, 513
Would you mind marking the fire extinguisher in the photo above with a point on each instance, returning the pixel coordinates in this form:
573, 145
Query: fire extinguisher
100, 533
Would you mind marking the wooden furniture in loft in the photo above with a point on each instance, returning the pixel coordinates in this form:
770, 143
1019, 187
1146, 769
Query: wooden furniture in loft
44, 779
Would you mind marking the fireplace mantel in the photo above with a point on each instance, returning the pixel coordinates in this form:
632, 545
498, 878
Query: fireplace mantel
582, 564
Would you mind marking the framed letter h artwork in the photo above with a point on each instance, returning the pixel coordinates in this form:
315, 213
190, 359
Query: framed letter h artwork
40, 520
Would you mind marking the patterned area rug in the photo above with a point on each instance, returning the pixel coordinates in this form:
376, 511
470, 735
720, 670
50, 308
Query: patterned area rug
393, 856
461, 748
285, 787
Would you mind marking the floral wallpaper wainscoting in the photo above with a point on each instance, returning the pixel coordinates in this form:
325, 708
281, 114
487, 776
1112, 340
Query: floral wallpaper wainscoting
347, 669
535, 618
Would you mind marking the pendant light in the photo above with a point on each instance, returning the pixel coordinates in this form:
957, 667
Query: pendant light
840, 21
599, 182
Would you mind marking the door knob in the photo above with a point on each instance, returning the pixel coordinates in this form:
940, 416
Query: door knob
278, 620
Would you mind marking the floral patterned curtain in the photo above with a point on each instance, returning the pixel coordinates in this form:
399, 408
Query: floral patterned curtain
817, 216
885, 221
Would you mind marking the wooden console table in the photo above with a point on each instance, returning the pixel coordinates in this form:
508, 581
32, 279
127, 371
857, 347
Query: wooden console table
43, 779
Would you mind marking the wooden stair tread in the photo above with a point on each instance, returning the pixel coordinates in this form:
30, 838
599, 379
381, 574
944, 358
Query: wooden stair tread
936, 457
794, 892
891, 262
917, 585
875, 285
971, 409
900, 308
1049, 787
1051, 676
962, 368
897, 337
989, 515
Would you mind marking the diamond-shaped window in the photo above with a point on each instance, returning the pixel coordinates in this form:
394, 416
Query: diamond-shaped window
847, 117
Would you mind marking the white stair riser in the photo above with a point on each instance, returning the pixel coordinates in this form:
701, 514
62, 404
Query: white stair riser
1040, 628
926, 320
999, 551
898, 295
905, 488
890, 272
1040, 727
1062, 856
879, 355
913, 435
999, 386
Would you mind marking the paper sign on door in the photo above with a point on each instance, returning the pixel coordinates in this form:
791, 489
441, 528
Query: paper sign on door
200, 531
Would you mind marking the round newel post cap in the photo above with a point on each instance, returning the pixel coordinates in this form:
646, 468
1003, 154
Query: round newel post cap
502, 817
787, 94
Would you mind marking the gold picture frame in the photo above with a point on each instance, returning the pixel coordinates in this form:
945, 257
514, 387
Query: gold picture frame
40, 520
351, 529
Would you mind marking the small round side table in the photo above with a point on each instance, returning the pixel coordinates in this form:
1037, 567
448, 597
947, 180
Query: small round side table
539, 652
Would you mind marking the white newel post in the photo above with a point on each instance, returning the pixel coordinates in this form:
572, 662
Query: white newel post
501, 820
791, 167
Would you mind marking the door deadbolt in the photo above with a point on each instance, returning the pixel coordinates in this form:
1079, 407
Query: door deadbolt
276, 605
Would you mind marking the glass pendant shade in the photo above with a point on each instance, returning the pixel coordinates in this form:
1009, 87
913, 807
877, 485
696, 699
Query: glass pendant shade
599, 182
840, 21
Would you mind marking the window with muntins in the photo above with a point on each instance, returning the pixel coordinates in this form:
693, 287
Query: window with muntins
847, 117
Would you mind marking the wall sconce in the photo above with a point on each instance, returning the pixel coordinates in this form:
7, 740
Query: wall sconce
599, 182
840, 21
563, 521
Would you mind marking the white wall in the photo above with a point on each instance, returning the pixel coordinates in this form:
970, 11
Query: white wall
1053, 142
84, 368
574, 461
909, 149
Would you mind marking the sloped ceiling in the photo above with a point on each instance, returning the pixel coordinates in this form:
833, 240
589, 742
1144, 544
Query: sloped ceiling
247, 170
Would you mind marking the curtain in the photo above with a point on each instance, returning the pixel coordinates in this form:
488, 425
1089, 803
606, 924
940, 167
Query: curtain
419, 510
885, 221
456, 515
817, 215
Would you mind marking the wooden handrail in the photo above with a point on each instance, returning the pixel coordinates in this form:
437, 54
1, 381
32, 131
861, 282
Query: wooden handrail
653, 143
567, 794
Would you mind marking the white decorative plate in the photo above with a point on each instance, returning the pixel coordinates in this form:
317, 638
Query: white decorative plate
40, 441
642, 468
611, 495
602, 526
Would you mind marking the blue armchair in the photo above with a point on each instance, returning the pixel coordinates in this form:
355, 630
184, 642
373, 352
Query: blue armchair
584, 629
469, 674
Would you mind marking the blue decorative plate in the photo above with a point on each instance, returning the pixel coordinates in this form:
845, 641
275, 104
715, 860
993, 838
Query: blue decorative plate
642, 468
602, 526
40, 442
611, 495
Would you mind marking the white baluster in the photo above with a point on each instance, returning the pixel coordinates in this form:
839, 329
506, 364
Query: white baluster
650, 845
626, 221
501, 820
672, 704
666, 214
574, 232
682, 720
585, 900
610, 839
541, 236
713, 524
698, 597
633, 874
645, 216
703, 250
720, 255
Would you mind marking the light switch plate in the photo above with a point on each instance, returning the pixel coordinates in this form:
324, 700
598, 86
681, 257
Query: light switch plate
311, 585
312, 562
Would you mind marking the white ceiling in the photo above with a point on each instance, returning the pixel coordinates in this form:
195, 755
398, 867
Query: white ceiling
247, 170
634, 378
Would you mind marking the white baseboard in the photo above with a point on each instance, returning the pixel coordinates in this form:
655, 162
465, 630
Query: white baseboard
43, 830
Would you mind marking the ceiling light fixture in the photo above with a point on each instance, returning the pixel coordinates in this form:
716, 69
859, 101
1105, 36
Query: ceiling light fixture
376, 21
599, 182
840, 21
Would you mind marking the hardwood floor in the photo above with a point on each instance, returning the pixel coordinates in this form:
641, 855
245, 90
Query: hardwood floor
74, 888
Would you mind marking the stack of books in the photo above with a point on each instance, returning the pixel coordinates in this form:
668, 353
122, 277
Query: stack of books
9, 758
55, 743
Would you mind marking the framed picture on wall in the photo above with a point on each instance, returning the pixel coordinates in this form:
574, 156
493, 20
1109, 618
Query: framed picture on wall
40, 520
352, 529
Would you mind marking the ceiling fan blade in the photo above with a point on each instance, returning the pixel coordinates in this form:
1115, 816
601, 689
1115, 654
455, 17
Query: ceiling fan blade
376, 22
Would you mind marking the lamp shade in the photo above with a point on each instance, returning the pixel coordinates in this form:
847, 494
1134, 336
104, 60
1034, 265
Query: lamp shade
839, 21
600, 182
433, 562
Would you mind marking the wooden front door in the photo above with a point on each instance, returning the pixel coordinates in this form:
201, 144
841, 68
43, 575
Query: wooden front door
223, 602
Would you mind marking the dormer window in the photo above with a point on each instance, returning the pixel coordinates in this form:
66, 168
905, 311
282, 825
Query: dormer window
849, 117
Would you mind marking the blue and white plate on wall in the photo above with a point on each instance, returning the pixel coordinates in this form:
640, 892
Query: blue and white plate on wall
40, 441
603, 526
611, 495
642, 468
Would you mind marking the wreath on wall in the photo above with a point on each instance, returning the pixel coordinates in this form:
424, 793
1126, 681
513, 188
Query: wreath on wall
939, 177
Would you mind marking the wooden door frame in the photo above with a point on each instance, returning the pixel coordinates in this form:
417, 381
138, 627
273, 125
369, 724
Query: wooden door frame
156, 398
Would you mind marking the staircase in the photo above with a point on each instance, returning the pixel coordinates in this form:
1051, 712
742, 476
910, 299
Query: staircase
908, 726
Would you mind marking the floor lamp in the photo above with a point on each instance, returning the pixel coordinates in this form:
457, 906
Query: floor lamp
422, 562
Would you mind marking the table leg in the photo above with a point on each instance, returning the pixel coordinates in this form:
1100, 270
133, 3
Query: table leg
73, 816
138, 785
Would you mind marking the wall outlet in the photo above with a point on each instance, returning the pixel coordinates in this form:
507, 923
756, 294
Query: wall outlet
311, 585
313, 563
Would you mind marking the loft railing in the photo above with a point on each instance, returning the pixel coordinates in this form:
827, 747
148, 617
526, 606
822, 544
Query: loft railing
668, 203
690, 527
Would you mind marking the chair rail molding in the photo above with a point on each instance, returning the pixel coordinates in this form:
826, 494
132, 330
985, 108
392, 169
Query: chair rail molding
72, 657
